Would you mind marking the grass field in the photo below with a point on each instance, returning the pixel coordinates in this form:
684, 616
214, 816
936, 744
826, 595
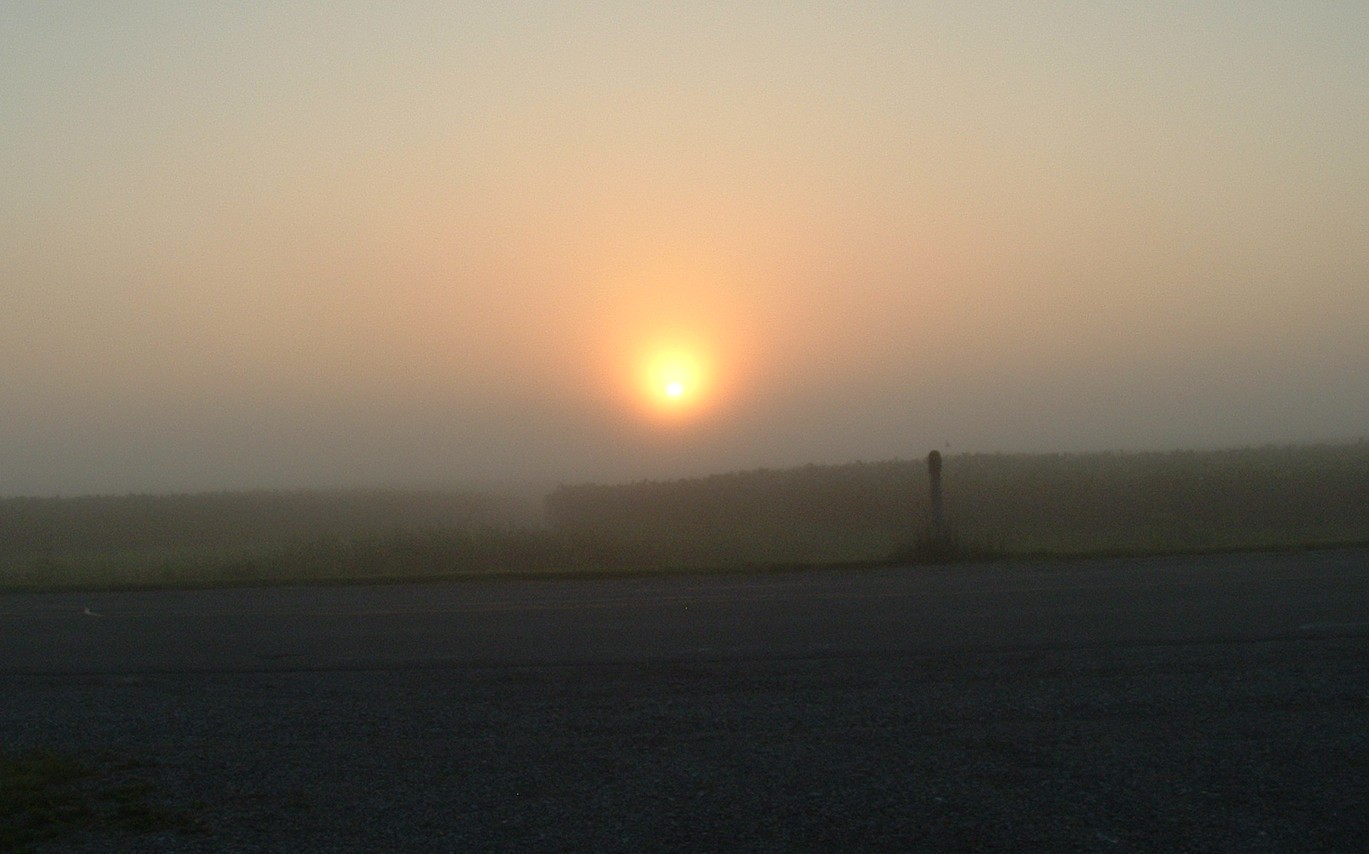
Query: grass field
1012, 505
999, 504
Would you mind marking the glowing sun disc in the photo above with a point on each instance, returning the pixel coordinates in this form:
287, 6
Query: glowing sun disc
674, 383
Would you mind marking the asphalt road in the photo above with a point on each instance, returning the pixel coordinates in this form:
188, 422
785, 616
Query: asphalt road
1217, 703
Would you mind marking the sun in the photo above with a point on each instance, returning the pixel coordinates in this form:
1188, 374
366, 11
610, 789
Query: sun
674, 382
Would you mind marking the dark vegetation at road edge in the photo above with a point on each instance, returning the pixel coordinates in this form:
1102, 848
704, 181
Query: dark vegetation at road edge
858, 514
47, 796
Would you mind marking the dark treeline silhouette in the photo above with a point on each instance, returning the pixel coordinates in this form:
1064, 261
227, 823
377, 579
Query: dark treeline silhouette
1005, 504
1001, 503
810, 514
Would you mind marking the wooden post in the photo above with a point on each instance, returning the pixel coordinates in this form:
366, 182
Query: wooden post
938, 509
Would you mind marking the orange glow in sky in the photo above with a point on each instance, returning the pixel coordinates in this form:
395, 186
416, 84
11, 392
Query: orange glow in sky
674, 341
275, 246
674, 383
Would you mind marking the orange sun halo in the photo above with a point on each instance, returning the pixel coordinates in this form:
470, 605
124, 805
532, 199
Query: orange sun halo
674, 383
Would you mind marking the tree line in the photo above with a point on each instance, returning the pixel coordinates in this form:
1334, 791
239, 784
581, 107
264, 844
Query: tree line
1002, 503
864, 512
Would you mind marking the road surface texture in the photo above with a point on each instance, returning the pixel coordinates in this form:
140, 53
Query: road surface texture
1205, 704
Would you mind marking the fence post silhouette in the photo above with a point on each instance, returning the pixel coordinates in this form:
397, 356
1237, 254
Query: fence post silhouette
939, 536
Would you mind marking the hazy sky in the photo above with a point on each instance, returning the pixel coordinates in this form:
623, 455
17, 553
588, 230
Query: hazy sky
287, 244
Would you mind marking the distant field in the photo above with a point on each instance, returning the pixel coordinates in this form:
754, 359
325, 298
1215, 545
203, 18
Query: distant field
235, 537
1011, 504
999, 505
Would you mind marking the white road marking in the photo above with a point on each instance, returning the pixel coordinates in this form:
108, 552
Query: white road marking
1316, 627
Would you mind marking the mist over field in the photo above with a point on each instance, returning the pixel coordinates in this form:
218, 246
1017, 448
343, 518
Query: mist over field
996, 507
442, 245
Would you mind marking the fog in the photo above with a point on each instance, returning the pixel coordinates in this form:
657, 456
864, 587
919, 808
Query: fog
426, 244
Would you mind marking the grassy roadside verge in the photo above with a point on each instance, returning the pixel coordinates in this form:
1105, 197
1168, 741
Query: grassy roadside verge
47, 796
